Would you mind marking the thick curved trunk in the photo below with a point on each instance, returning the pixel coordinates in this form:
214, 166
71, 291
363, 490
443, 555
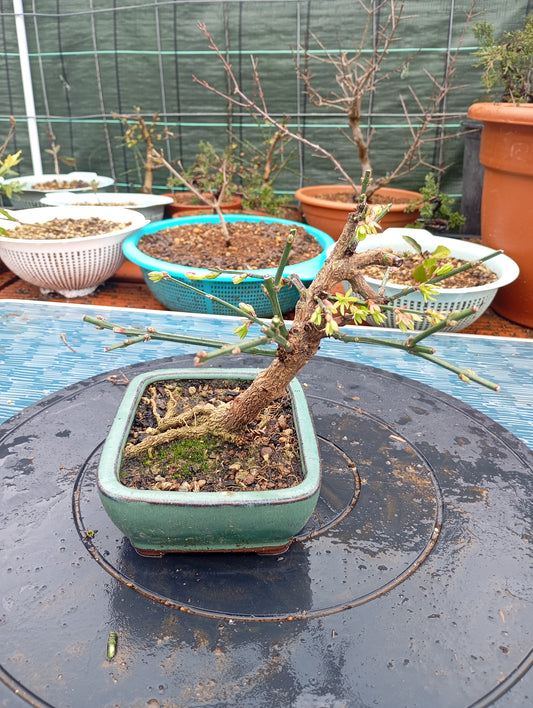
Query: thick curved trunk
272, 382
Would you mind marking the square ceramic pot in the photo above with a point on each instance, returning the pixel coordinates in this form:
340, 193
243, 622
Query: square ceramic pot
158, 522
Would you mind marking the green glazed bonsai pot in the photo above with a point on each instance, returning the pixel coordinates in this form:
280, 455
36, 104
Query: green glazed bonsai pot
158, 522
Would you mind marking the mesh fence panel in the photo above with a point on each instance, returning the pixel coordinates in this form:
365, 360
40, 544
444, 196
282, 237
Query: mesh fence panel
91, 58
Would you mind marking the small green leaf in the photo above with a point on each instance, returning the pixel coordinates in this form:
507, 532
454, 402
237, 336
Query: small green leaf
247, 308
156, 276
198, 276
441, 252
8, 216
446, 268
242, 330
420, 274
411, 241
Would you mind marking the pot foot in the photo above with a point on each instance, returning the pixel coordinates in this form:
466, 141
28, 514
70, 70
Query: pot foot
159, 553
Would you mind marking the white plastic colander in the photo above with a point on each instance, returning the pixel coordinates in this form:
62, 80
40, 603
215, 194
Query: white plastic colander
450, 299
72, 267
152, 206
30, 198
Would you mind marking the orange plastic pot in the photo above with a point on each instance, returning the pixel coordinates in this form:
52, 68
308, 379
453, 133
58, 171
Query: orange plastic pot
183, 208
506, 151
330, 216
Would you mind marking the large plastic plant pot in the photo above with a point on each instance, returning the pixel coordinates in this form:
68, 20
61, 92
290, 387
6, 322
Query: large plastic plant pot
506, 152
175, 297
331, 215
158, 522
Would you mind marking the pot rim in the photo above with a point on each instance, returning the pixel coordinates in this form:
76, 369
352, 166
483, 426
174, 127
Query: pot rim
39, 215
512, 113
70, 198
306, 196
305, 270
26, 181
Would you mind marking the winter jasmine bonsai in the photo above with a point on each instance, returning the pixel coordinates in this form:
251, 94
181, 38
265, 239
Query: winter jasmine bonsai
174, 436
319, 313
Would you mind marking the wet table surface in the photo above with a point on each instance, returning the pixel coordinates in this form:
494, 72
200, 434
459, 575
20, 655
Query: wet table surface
411, 586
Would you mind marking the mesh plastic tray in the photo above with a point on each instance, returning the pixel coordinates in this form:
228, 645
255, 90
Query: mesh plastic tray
175, 297
450, 299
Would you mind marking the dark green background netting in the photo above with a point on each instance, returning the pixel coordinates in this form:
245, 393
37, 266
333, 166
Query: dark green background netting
91, 58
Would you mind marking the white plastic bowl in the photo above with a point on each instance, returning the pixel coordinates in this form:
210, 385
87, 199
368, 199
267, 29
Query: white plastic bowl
30, 197
450, 299
72, 267
152, 206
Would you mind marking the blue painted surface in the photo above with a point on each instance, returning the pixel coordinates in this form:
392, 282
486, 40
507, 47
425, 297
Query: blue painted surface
35, 360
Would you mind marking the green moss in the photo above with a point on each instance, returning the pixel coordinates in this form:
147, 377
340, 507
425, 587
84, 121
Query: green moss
187, 457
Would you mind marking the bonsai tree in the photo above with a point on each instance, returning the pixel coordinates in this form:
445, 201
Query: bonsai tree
54, 150
507, 63
435, 208
142, 136
319, 313
354, 79
210, 178
239, 169
260, 167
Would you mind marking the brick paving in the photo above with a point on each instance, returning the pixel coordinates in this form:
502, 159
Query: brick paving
127, 289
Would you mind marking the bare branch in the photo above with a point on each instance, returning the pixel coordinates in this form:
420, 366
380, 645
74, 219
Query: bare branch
356, 78
239, 98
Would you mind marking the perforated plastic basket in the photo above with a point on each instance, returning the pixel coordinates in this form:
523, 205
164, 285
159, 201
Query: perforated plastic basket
175, 297
71, 267
152, 206
30, 198
450, 299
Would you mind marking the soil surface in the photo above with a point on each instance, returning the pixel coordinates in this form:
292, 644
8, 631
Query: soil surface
64, 229
351, 198
264, 456
113, 204
60, 184
402, 275
252, 245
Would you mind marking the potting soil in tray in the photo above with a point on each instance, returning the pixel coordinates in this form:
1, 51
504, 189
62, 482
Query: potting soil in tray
403, 275
261, 457
64, 228
252, 245
60, 184
345, 197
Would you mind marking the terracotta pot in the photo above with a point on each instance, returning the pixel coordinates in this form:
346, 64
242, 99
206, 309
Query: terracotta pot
506, 204
177, 209
330, 216
288, 211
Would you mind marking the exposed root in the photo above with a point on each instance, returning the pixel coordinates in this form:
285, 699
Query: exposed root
205, 450
201, 420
